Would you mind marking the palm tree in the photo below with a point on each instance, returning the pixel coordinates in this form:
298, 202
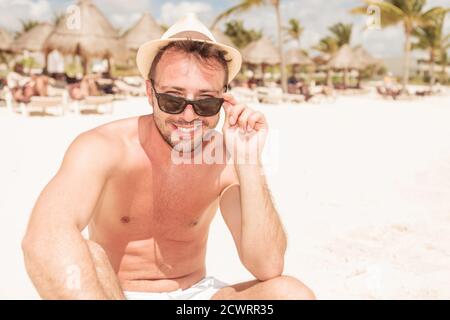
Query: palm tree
327, 46
245, 5
294, 31
430, 37
57, 17
444, 59
27, 25
239, 35
410, 13
342, 33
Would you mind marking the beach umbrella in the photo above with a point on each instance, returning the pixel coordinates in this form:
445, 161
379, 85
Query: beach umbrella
34, 39
321, 64
144, 30
261, 52
297, 57
222, 37
364, 59
321, 60
6, 40
345, 59
89, 36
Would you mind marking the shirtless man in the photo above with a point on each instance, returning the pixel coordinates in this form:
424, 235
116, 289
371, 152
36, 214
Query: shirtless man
149, 217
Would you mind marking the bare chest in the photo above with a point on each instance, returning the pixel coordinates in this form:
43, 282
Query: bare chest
169, 202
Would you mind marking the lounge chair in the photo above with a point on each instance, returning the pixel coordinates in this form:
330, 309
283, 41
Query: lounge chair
293, 98
388, 92
41, 104
130, 90
244, 95
7, 96
269, 95
96, 104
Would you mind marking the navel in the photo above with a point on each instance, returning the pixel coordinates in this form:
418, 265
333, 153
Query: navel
125, 219
194, 223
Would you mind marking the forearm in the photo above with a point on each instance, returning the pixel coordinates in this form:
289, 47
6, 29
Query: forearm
60, 265
263, 240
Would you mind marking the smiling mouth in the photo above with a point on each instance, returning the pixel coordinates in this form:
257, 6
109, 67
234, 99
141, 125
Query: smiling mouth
188, 129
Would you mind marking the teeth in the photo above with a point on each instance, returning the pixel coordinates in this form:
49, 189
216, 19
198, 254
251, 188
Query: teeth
186, 130
190, 129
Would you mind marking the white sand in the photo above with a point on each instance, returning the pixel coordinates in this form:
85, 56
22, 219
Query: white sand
362, 185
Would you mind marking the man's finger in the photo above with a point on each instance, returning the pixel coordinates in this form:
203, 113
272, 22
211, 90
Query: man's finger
228, 97
235, 113
243, 118
257, 120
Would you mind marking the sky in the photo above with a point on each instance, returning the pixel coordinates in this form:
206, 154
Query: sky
315, 15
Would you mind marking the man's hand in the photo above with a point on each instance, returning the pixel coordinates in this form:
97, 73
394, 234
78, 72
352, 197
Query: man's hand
248, 210
244, 130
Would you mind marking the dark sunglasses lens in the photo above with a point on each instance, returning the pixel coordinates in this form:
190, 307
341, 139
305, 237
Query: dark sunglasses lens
170, 104
208, 107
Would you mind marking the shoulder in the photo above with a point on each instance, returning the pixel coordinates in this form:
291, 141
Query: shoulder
100, 148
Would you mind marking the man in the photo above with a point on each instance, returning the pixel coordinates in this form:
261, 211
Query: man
148, 210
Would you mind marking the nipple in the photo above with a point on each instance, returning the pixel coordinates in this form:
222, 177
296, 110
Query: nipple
125, 219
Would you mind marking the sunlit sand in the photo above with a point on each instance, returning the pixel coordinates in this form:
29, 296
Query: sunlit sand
362, 185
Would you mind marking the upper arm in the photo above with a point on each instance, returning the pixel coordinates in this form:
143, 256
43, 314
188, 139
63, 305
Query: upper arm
230, 205
70, 197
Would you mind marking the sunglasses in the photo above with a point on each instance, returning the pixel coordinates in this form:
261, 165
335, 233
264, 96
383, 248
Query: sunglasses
175, 105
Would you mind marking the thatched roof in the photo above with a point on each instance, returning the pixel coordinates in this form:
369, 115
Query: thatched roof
297, 57
5, 40
144, 30
352, 58
33, 39
344, 59
92, 37
261, 51
222, 37
364, 58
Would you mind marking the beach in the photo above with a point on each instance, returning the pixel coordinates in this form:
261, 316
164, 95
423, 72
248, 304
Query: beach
362, 185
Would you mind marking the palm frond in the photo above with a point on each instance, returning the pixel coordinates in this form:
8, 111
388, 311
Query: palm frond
240, 7
389, 13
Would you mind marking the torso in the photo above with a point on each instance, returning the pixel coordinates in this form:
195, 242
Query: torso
153, 216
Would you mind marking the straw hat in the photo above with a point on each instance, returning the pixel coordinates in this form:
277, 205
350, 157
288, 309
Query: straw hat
187, 28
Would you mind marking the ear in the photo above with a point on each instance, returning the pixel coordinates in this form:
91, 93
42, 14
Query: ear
149, 91
148, 88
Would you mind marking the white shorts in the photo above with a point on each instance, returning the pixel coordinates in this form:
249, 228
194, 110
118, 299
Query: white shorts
202, 290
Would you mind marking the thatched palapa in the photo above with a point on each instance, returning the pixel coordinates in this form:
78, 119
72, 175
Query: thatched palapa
34, 39
90, 36
144, 30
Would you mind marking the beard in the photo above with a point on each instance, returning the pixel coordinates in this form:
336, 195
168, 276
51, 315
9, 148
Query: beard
184, 144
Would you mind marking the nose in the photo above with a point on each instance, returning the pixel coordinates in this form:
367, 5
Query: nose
188, 114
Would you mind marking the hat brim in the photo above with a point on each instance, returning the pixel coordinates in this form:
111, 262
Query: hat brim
149, 50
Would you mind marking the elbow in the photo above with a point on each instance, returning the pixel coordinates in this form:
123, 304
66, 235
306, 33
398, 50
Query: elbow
27, 247
28, 252
267, 272
265, 269
30, 247
26, 244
